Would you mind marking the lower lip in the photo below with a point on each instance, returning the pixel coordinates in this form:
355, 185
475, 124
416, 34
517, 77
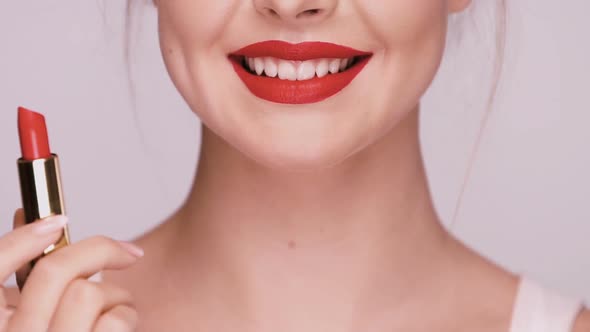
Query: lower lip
297, 92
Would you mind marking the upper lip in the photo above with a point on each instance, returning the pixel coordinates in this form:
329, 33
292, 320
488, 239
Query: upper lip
298, 52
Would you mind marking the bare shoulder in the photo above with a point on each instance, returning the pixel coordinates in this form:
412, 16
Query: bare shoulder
582, 322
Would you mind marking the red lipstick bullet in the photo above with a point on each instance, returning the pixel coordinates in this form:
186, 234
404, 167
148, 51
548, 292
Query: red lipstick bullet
34, 141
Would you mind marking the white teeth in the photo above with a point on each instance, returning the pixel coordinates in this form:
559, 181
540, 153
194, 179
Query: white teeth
334, 66
343, 64
251, 64
270, 67
287, 70
322, 68
296, 70
305, 71
259, 66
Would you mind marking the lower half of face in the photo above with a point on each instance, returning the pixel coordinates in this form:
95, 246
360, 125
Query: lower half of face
302, 84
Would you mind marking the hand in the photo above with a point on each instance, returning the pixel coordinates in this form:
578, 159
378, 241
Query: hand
57, 295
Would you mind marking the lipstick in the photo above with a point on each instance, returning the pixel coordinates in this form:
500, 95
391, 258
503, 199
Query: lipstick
40, 180
297, 92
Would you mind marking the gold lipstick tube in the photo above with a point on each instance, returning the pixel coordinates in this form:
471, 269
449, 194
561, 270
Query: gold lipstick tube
42, 197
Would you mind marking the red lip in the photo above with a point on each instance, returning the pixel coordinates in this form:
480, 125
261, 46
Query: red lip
298, 92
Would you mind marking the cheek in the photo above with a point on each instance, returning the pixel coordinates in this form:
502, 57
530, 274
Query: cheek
189, 32
413, 35
404, 21
195, 23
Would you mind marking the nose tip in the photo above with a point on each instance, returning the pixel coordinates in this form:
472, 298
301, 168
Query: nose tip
296, 11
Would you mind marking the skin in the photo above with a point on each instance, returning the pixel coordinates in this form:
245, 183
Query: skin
287, 227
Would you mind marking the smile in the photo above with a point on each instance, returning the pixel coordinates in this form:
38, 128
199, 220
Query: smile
297, 73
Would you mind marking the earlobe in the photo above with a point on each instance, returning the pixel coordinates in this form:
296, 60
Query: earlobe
456, 6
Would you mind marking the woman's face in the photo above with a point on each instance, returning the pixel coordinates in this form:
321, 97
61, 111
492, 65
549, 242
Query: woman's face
308, 108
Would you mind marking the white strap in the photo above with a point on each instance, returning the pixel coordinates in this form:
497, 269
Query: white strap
538, 309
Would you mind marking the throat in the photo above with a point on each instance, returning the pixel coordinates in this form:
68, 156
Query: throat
291, 245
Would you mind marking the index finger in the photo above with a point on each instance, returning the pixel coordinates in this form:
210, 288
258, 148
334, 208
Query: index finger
27, 242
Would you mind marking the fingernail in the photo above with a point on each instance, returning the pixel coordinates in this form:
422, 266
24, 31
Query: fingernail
97, 277
132, 248
50, 224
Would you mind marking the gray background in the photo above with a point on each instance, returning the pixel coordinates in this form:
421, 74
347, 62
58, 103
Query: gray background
525, 205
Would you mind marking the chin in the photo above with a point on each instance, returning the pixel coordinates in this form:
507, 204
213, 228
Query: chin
298, 160
297, 152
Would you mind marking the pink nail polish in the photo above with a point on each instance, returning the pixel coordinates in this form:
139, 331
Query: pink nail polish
132, 248
50, 224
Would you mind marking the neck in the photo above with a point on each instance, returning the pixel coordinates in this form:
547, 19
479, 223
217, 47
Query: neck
367, 225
